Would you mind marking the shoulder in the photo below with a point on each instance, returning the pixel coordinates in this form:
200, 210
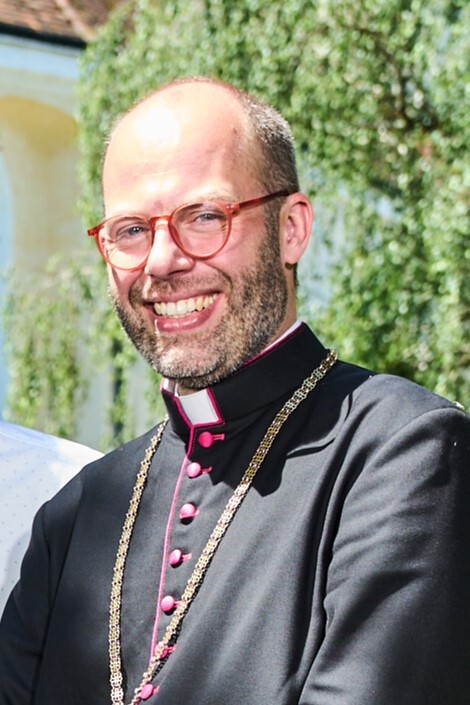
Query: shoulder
110, 477
400, 436
401, 458
377, 415
25, 450
389, 396
397, 403
34, 466
101, 489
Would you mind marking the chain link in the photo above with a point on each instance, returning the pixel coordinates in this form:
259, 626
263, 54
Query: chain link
162, 650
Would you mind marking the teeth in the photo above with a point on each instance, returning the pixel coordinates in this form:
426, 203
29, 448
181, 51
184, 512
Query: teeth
183, 306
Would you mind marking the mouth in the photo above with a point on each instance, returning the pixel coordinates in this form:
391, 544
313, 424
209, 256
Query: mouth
183, 307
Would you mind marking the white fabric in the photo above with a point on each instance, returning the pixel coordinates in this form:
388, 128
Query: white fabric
198, 406
33, 467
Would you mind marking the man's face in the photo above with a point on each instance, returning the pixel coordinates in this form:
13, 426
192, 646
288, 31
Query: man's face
194, 321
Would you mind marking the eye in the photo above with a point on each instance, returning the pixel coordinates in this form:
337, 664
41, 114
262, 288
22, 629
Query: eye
202, 217
127, 229
206, 216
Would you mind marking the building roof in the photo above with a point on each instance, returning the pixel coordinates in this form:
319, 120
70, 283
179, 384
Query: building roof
71, 22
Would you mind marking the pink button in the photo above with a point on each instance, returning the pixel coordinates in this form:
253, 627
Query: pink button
168, 603
193, 470
147, 691
188, 511
176, 557
206, 439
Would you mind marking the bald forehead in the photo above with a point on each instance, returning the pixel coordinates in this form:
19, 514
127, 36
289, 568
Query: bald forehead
215, 94
189, 108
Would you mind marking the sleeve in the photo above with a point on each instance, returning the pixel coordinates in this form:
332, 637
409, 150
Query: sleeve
397, 586
23, 627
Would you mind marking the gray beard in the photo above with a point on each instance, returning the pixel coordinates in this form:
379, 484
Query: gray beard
257, 308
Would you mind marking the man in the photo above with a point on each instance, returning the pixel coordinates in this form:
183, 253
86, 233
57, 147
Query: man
33, 466
298, 532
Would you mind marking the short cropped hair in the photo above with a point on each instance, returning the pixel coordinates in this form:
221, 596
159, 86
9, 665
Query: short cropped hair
276, 169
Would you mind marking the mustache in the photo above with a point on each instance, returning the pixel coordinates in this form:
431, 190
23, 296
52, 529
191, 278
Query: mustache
154, 289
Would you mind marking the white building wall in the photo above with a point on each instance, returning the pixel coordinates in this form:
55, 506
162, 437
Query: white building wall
39, 71
6, 236
38, 157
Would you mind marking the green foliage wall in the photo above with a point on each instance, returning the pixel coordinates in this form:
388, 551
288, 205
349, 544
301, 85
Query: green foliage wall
375, 94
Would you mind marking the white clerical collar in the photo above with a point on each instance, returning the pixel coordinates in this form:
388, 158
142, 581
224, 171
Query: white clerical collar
199, 407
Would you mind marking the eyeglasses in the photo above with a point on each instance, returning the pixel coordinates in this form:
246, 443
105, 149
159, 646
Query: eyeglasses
200, 230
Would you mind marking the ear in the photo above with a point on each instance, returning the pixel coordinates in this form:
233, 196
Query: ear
296, 220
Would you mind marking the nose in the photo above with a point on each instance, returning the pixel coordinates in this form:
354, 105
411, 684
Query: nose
165, 257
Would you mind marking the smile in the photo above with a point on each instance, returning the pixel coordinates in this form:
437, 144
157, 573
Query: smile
184, 306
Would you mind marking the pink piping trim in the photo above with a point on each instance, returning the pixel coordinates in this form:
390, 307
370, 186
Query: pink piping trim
166, 552
275, 345
171, 516
215, 405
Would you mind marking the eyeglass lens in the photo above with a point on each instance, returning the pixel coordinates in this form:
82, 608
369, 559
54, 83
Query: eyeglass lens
200, 229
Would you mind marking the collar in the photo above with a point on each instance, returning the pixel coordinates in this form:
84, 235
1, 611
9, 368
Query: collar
198, 407
272, 375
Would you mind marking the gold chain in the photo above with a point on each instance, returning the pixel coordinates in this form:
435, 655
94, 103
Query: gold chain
198, 574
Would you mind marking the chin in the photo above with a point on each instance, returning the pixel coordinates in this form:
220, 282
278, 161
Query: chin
194, 369
187, 375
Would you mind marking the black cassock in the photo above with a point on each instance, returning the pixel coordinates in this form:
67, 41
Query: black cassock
344, 578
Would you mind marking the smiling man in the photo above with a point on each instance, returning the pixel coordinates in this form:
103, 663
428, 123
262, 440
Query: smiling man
297, 531
198, 319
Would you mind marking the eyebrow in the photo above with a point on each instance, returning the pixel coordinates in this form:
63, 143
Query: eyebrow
208, 196
214, 196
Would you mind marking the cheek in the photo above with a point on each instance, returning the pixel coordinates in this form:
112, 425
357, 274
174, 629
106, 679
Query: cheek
120, 283
239, 254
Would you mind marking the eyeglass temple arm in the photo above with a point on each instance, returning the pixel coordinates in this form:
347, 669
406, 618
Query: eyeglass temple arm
258, 201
